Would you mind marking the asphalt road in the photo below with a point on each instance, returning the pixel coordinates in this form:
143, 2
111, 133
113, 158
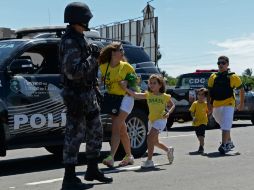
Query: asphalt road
37, 169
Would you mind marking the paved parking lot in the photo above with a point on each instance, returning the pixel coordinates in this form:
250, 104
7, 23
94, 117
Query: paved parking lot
36, 169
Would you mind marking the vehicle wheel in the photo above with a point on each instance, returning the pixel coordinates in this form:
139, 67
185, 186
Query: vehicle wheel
252, 120
212, 124
2, 141
57, 150
170, 122
137, 129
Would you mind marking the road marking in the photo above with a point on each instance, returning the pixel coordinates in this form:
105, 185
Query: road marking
122, 169
132, 168
43, 182
108, 171
176, 136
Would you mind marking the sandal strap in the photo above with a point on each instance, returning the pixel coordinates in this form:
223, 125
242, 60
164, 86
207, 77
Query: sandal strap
125, 161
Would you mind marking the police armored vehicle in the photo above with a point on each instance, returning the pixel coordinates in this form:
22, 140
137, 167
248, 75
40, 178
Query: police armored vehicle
184, 94
32, 113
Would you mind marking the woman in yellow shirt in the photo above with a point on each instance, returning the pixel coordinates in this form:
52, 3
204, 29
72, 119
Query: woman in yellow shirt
114, 68
157, 101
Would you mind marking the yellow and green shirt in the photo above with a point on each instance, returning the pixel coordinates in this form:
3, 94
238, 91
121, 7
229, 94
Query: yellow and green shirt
156, 105
115, 75
235, 82
200, 113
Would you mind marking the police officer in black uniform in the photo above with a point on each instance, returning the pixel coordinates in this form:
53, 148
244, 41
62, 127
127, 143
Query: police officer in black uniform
79, 68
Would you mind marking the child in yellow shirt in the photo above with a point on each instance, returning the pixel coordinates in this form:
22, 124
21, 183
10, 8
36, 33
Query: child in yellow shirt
157, 101
199, 112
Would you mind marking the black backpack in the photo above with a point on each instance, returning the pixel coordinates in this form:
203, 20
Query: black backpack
221, 89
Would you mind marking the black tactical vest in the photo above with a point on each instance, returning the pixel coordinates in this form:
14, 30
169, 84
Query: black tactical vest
89, 79
221, 89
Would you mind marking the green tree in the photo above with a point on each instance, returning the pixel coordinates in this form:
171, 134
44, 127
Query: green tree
248, 79
171, 81
247, 72
158, 53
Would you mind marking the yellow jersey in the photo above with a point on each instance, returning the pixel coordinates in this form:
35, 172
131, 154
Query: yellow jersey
200, 111
156, 105
235, 82
114, 76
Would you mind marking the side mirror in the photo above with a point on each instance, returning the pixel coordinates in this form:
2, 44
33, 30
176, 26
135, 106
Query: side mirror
21, 66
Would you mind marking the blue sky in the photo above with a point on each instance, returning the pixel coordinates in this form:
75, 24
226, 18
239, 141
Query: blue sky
192, 33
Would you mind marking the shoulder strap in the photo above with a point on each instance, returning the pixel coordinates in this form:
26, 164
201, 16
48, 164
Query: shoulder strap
104, 80
231, 73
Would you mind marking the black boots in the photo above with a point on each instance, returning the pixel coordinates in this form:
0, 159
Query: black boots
93, 172
2, 141
71, 181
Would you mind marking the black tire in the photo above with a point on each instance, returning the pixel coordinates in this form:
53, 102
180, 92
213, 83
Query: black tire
2, 141
137, 129
212, 124
252, 120
170, 122
57, 150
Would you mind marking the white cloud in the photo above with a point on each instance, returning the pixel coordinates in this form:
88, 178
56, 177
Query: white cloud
239, 50
173, 70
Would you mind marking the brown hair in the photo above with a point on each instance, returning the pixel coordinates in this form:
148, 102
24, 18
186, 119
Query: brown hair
202, 90
160, 80
225, 58
106, 52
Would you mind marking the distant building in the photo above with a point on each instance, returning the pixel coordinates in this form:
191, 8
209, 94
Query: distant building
141, 32
6, 33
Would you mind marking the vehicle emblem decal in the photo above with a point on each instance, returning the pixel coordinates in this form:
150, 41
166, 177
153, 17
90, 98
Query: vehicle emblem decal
14, 86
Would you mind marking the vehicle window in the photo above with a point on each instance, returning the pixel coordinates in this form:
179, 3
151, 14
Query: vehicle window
44, 58
136, 55
36, 58
146, 67
7, 48
185, 83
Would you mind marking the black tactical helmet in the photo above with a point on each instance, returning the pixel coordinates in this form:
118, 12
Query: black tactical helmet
77, 13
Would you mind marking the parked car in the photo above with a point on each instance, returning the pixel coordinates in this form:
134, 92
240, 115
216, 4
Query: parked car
32, 113
184, 94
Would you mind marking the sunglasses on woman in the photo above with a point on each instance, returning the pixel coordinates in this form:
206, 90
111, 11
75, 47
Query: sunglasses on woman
120, 49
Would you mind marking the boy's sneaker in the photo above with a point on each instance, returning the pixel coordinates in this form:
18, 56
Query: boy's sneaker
223, 149
127, 160
147, 164
109, 161
230, 145
170, 155
201, 149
